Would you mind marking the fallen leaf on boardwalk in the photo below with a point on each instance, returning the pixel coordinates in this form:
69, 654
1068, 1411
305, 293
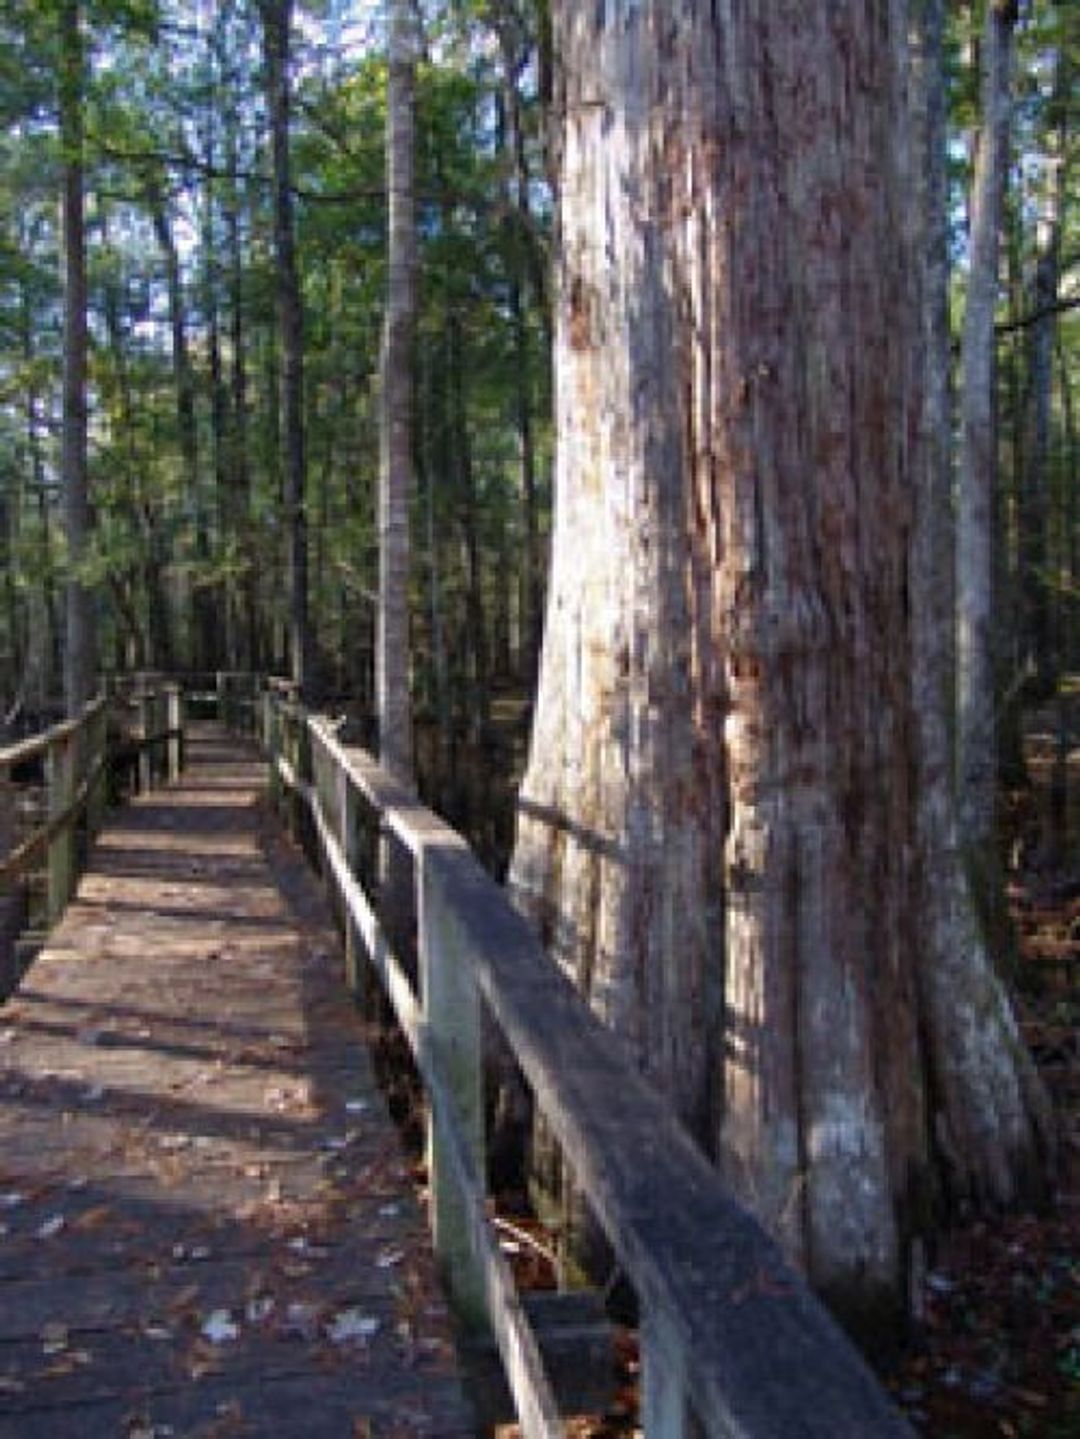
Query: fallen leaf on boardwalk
184, 1301
350, 1325
51, 1227
389, 1257
12, 1200
66, 1364
54, 1338
10, 1385
302, 1320
220, 1327
259, 1308
92, 1219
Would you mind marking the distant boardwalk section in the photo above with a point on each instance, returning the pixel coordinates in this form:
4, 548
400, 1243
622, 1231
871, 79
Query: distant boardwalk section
206, 1222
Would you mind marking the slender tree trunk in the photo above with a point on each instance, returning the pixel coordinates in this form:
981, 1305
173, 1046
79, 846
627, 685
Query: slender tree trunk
277, 20
532, 588
1035, 512
39, 646
80, 629
986, 1103
205, 619
477, 642
976, 699
392, 664
245, 603
141, 649
721, 812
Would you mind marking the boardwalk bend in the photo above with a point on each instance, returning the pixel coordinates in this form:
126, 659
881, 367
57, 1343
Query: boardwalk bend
206, 1222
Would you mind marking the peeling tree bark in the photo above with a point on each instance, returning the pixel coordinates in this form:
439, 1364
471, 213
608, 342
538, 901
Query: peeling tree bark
719, 823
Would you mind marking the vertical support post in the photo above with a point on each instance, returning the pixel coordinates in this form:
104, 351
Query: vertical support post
97, 741
273, 748
12, 895
347, 836
61, 787
145, 700
664, 1409
221, 685
451, 1003
174, 723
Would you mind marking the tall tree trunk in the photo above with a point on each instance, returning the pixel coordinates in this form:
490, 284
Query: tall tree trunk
532, 589
277, 20
986, 1100
976, 698
244, 602
396, 408
39, 649
80, 647
1039, 639
721, 810
205, 620
140, 653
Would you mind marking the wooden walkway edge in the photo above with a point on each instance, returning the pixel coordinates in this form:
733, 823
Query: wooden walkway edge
206, 1222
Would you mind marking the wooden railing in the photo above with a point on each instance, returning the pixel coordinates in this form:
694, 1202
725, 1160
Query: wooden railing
70, 762
732, 1339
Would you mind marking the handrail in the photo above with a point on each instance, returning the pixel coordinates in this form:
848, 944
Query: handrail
77, 754
732, 1337
38, 744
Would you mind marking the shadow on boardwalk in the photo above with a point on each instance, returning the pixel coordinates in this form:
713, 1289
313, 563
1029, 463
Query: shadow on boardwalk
206, 1224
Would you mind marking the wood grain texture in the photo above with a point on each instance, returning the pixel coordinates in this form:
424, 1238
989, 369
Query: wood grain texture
190, 1128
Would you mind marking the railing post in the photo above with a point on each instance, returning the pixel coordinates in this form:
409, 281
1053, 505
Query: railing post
220, 684
61, 788
349, 848
664, 1410
97, 744
145, 701
273, 748
174, 723
12, 896
451, 1002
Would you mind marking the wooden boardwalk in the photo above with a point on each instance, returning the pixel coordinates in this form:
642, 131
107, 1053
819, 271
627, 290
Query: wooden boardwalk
206, 1223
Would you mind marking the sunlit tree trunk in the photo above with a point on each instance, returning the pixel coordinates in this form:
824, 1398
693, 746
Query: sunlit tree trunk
719, 821
80, 630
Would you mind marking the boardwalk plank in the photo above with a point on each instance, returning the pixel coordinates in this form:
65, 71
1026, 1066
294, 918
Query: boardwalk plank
191, 1139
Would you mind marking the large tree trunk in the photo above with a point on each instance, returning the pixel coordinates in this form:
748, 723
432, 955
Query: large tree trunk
277, 19
719, 822
392, 662
80, 629
975, 698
